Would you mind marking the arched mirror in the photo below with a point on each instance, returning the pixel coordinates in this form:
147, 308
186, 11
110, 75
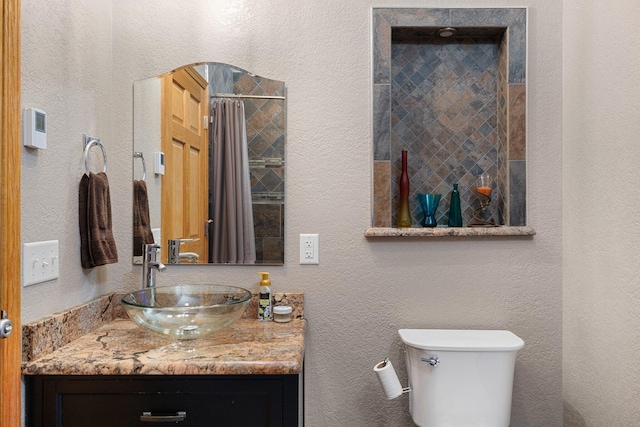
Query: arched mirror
208, 166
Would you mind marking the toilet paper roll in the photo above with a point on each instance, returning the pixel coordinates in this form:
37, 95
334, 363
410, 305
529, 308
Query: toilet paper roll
388, 379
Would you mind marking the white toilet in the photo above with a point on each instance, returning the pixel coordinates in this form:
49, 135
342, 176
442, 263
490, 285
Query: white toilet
460, 378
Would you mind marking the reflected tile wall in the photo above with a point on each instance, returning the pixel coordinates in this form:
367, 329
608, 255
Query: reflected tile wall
266, 134
266, 128
269, 231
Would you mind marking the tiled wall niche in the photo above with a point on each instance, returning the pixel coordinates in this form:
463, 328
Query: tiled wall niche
457, 105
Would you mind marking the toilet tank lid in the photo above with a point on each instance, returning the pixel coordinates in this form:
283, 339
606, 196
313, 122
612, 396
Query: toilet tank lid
461, 340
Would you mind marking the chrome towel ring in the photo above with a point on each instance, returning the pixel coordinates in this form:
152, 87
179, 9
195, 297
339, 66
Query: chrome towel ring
89, 142
139, 155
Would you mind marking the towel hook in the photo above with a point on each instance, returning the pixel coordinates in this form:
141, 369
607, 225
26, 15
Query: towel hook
138, 154
88, 143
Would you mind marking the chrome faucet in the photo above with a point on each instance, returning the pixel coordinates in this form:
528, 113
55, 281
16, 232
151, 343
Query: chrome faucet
173, 256
150, 264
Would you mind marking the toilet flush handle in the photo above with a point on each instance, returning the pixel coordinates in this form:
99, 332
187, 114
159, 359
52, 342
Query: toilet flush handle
431, 360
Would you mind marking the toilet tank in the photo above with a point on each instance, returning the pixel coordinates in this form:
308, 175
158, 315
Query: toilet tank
460, 377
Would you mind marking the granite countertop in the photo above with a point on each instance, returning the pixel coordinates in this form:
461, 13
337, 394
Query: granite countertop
119, 347
448, 232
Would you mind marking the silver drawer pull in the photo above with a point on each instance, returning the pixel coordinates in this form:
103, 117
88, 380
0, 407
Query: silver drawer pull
148, 418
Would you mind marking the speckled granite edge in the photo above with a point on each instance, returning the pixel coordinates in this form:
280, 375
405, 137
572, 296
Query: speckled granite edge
48, 334
52, 332
449, 231
247, 347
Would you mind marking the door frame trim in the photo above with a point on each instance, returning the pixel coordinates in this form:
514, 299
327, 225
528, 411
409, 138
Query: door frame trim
10, 150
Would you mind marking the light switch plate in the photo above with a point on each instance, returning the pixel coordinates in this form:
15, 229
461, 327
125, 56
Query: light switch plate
40, 262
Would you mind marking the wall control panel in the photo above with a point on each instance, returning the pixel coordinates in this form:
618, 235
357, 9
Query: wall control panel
158, 157
34, 128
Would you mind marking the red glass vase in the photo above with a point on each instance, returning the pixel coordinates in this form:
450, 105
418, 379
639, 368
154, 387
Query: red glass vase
403, 218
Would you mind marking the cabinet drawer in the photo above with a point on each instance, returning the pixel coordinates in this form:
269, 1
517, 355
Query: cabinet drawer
243, 401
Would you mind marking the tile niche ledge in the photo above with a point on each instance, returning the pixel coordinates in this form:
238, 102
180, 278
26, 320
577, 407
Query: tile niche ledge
449, 231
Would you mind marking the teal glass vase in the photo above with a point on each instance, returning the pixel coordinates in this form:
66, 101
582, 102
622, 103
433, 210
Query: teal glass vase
455, 214
429, 203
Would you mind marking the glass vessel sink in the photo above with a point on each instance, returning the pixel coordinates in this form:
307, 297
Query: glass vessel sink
186, 312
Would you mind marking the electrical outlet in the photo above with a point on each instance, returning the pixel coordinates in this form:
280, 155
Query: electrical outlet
309, 249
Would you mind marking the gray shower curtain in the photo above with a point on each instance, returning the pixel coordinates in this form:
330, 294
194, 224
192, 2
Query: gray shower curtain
233, 239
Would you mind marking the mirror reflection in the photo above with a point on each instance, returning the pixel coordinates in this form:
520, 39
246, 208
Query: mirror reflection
208, 166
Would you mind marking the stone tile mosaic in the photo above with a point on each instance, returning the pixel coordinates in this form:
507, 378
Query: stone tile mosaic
382, 194
485, 17
384, 19
517, 122
518, 192
518, 49
443, 120
503, 129
381, 122
444, 111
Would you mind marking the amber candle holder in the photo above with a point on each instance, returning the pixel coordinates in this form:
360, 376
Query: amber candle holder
483, 190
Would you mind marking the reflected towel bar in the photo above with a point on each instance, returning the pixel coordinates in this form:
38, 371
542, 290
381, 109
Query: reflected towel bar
139, 155
233, 95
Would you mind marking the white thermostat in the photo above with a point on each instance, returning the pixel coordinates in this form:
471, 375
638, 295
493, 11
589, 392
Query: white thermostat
34, 128
159, 162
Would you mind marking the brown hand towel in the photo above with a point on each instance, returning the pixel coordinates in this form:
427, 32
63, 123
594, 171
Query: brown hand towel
141, 223
85, 258
97, 245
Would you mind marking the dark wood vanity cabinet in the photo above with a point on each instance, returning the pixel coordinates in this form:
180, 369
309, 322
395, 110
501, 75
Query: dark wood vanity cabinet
134, 400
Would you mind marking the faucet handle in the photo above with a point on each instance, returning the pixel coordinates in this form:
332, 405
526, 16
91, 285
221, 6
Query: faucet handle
174, 249
151, 250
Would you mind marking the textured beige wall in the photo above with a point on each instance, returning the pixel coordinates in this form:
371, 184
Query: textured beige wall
67, 70
363, 290
601, 232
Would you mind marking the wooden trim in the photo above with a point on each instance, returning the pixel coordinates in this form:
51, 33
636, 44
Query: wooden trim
10, 348
197, 77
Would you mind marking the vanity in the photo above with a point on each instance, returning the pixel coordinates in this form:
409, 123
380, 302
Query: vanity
93, 366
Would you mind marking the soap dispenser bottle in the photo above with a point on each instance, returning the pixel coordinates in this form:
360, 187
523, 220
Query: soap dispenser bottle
265, 308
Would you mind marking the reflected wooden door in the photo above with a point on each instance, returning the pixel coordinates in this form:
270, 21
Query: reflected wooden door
184, 141
10, 347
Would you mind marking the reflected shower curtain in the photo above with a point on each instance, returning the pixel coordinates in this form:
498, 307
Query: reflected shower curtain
233, 238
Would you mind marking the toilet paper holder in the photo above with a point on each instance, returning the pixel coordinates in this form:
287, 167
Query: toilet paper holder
389, 379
